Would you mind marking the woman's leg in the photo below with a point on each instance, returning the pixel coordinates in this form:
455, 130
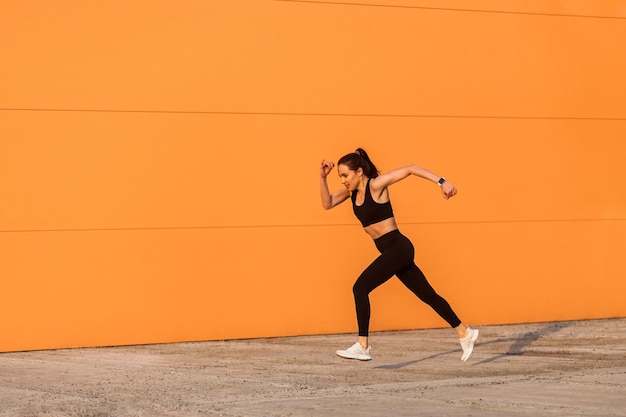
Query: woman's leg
374, 275
379, 271
396, 252
413, 278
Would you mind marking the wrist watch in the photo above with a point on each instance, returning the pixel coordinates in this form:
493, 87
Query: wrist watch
441, 181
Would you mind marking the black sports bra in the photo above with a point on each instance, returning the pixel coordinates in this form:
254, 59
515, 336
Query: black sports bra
370, 211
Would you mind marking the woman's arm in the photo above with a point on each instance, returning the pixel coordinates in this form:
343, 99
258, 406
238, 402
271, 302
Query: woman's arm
330, 200
385, 180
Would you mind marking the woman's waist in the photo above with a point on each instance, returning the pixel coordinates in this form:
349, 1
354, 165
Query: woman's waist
392, 239
380, 229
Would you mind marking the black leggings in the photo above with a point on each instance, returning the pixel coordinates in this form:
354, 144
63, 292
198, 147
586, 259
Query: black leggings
396, 258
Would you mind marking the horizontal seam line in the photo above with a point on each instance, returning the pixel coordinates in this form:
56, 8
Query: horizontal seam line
121, 229
452, 9
425, 116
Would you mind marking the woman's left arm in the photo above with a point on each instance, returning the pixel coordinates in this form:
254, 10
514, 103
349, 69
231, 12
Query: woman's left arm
385, 180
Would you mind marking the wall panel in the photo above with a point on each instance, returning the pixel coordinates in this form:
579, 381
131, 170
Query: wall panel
309, 57
159, 164
118, 170
94, 288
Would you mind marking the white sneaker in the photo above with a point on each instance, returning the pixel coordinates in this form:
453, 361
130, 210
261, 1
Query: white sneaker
356, 351
467, 343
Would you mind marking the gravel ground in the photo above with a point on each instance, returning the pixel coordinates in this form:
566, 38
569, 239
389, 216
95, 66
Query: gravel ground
575, 368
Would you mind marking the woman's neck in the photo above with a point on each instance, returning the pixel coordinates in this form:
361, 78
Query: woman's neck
363, 184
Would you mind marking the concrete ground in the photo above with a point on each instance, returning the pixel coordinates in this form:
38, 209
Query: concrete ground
546, 369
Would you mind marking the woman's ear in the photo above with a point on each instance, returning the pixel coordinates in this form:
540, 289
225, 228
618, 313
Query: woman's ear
359, 172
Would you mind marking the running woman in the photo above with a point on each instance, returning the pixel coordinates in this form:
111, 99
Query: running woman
368, 190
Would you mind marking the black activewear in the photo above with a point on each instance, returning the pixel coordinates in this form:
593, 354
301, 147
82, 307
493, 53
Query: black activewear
370, 211
396, 258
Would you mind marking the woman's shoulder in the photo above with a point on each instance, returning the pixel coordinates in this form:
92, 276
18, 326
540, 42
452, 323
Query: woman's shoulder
377, 191
375, 184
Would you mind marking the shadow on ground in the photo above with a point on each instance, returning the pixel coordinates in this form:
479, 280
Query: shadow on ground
516, 348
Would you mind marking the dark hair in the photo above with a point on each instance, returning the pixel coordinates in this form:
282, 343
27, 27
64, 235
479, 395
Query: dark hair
359, 159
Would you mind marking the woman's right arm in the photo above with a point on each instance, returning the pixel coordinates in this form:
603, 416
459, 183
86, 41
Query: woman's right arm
330, 200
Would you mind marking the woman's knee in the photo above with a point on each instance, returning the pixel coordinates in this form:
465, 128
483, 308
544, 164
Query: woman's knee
361, 289
358, 290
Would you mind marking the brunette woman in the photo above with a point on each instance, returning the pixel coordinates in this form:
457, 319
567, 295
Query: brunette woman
368, 190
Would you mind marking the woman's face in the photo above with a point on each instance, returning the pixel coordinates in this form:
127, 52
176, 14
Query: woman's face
349, 178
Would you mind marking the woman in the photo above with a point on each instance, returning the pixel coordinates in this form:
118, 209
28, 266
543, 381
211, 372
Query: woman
368, 190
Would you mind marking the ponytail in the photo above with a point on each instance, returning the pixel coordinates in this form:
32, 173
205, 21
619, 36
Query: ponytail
360, 159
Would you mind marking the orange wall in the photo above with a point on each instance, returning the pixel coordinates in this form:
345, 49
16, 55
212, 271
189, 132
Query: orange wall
159, 163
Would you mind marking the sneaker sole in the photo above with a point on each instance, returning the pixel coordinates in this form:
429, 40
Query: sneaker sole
347, 355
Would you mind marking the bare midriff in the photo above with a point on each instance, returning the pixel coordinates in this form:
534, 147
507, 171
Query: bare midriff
381, 228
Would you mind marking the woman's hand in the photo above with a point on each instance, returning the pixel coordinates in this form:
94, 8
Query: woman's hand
448, 190
330, 200
326, 167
